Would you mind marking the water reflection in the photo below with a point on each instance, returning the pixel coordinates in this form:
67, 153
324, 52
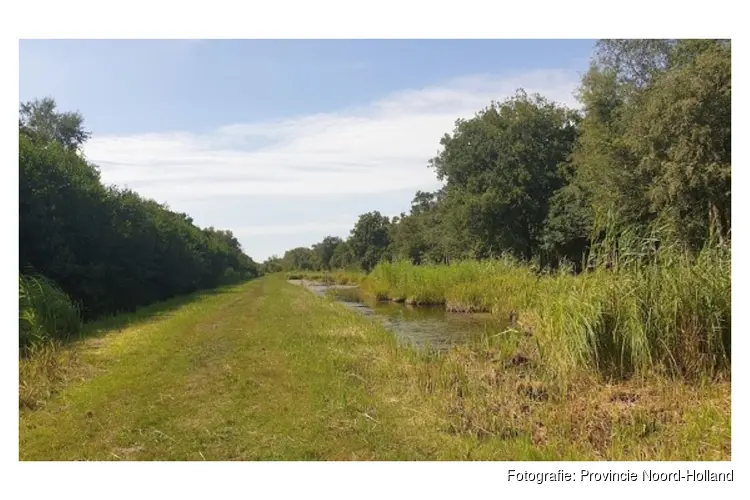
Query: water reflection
422, 326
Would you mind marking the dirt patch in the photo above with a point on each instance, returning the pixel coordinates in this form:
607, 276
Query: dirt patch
518, 359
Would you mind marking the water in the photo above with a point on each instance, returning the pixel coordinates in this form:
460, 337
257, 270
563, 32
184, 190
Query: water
420, 326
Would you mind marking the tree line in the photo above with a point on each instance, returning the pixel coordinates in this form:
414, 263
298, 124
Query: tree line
648, 153
108, 248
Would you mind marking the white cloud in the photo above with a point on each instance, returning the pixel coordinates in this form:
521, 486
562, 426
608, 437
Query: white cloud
338, 227
374, 149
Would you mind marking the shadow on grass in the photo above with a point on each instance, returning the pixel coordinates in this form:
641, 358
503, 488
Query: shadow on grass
144, 314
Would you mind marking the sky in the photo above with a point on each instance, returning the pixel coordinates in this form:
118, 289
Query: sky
284, 142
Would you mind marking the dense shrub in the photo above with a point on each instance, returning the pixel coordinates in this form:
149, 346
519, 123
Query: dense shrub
110, 249
45, 312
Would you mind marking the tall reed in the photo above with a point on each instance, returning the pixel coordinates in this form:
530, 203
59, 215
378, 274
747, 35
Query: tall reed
641, 308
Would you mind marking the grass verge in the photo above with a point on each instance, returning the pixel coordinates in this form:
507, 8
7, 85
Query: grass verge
267, 371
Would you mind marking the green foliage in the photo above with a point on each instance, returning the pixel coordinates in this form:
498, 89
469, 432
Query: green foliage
40, 121
635, 62
342, 257
568, 226
501, 168
655, 144
369, 240
272, 265
417, 237
301, 258
45, 312
109, 248
326, 249
681, 133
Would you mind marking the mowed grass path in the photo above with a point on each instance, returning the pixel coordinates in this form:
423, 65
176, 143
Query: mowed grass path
267, 371
243, 374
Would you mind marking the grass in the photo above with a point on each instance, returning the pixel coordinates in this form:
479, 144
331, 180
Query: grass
670, 316
47, 366
268, 371
43, 370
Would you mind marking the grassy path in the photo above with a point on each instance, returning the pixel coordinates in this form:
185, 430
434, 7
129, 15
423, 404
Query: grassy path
245, 374
267, 371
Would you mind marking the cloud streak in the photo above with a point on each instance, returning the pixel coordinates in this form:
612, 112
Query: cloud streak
330, 227
379, 147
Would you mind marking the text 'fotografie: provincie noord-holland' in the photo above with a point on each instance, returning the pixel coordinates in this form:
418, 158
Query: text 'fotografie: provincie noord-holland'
686, 475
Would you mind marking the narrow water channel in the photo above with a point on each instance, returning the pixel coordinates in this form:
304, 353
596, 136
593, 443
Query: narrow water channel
420, 326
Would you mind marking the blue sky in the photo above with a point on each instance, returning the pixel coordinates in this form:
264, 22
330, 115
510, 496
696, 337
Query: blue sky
284, 141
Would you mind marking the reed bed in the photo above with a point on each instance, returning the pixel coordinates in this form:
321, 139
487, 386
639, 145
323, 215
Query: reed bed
658, 311
339, 277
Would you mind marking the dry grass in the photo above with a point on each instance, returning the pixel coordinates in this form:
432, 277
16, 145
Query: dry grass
43, 371
501, 397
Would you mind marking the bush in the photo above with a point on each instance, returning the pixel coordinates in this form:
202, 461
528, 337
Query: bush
45, 311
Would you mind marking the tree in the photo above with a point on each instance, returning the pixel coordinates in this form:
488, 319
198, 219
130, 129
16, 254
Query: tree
342, 257
40, 121
301, 259
369, 239
681, 134
501, 169
655, 144
567, 229
408, 238
408, 233
325, 250
272, 264
634, 62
